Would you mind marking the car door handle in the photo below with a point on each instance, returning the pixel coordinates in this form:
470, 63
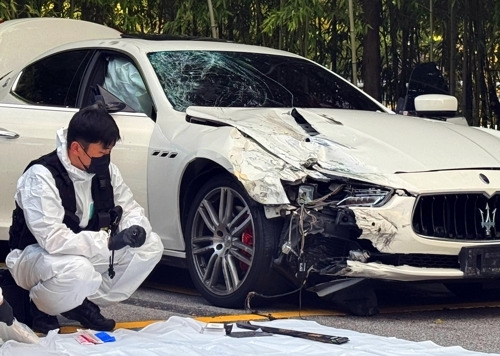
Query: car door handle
8, 134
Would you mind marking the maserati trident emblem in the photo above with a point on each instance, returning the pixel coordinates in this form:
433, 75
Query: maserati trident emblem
488, 219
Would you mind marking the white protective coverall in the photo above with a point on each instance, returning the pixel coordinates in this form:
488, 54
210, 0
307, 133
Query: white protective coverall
64, 268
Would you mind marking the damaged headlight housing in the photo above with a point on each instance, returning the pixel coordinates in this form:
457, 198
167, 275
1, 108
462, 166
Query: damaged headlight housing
365, 196
340, 194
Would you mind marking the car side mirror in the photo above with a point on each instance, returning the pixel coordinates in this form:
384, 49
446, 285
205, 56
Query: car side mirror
436, 105
439, 107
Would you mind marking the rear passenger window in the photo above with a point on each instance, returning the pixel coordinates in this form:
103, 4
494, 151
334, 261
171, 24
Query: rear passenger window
54, 80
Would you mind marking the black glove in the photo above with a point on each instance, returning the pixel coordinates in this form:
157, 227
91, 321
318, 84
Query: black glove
6, 313
133, 236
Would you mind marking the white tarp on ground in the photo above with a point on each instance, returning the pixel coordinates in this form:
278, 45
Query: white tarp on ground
182, 336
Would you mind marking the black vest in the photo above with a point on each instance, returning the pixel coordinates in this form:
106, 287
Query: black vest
102, 194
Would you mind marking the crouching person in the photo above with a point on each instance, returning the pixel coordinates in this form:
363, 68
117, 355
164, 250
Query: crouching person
78, 238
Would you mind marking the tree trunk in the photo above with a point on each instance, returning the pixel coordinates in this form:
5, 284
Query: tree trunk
480, 46
466, 67
394, 53
371, 48
453, 48
333, 42
406, 64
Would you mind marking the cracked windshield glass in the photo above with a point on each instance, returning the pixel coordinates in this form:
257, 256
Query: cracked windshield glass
234, 79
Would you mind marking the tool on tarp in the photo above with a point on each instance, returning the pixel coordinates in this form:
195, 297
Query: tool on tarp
328, 339
238, 334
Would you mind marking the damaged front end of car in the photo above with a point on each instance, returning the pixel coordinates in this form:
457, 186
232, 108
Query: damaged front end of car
320, 235
328, 201
348, 212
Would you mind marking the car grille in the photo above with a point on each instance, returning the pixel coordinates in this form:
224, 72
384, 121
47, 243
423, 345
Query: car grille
468, 217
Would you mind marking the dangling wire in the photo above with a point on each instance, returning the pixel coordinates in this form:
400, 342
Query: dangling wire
303, 233
251, 295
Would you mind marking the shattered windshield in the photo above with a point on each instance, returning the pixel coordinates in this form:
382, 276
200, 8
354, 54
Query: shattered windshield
236, 79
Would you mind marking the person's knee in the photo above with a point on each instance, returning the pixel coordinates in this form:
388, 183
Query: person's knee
76, 274
79, 271
155, 247
156, 244
152, 246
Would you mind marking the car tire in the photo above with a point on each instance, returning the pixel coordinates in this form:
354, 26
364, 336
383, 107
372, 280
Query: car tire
229, 243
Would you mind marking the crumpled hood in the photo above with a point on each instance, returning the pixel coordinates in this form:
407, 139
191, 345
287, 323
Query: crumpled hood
360, 142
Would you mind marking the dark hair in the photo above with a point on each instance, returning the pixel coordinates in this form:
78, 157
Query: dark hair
93, 124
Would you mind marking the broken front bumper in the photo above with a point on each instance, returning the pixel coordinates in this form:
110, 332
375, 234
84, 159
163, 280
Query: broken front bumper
335, 243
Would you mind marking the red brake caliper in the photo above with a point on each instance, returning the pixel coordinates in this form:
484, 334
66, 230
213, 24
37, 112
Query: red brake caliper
247, 239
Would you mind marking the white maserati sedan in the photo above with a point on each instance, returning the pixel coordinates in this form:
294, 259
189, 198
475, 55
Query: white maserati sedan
262, 171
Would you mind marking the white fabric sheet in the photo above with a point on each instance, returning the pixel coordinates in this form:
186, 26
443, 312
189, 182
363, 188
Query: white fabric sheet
182, 336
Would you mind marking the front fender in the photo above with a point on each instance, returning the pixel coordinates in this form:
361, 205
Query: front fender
260, 172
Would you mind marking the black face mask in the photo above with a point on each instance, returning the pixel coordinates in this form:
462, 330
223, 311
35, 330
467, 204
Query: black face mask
98, 165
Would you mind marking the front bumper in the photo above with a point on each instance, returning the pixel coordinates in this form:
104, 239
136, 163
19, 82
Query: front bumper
398, 273
376, 244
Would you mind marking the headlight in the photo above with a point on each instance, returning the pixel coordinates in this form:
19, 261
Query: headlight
365, 197
339, 194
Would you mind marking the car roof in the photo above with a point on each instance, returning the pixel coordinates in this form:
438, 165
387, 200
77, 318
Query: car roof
136, 45
22, 40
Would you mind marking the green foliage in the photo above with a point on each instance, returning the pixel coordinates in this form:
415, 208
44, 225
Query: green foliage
7, 10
